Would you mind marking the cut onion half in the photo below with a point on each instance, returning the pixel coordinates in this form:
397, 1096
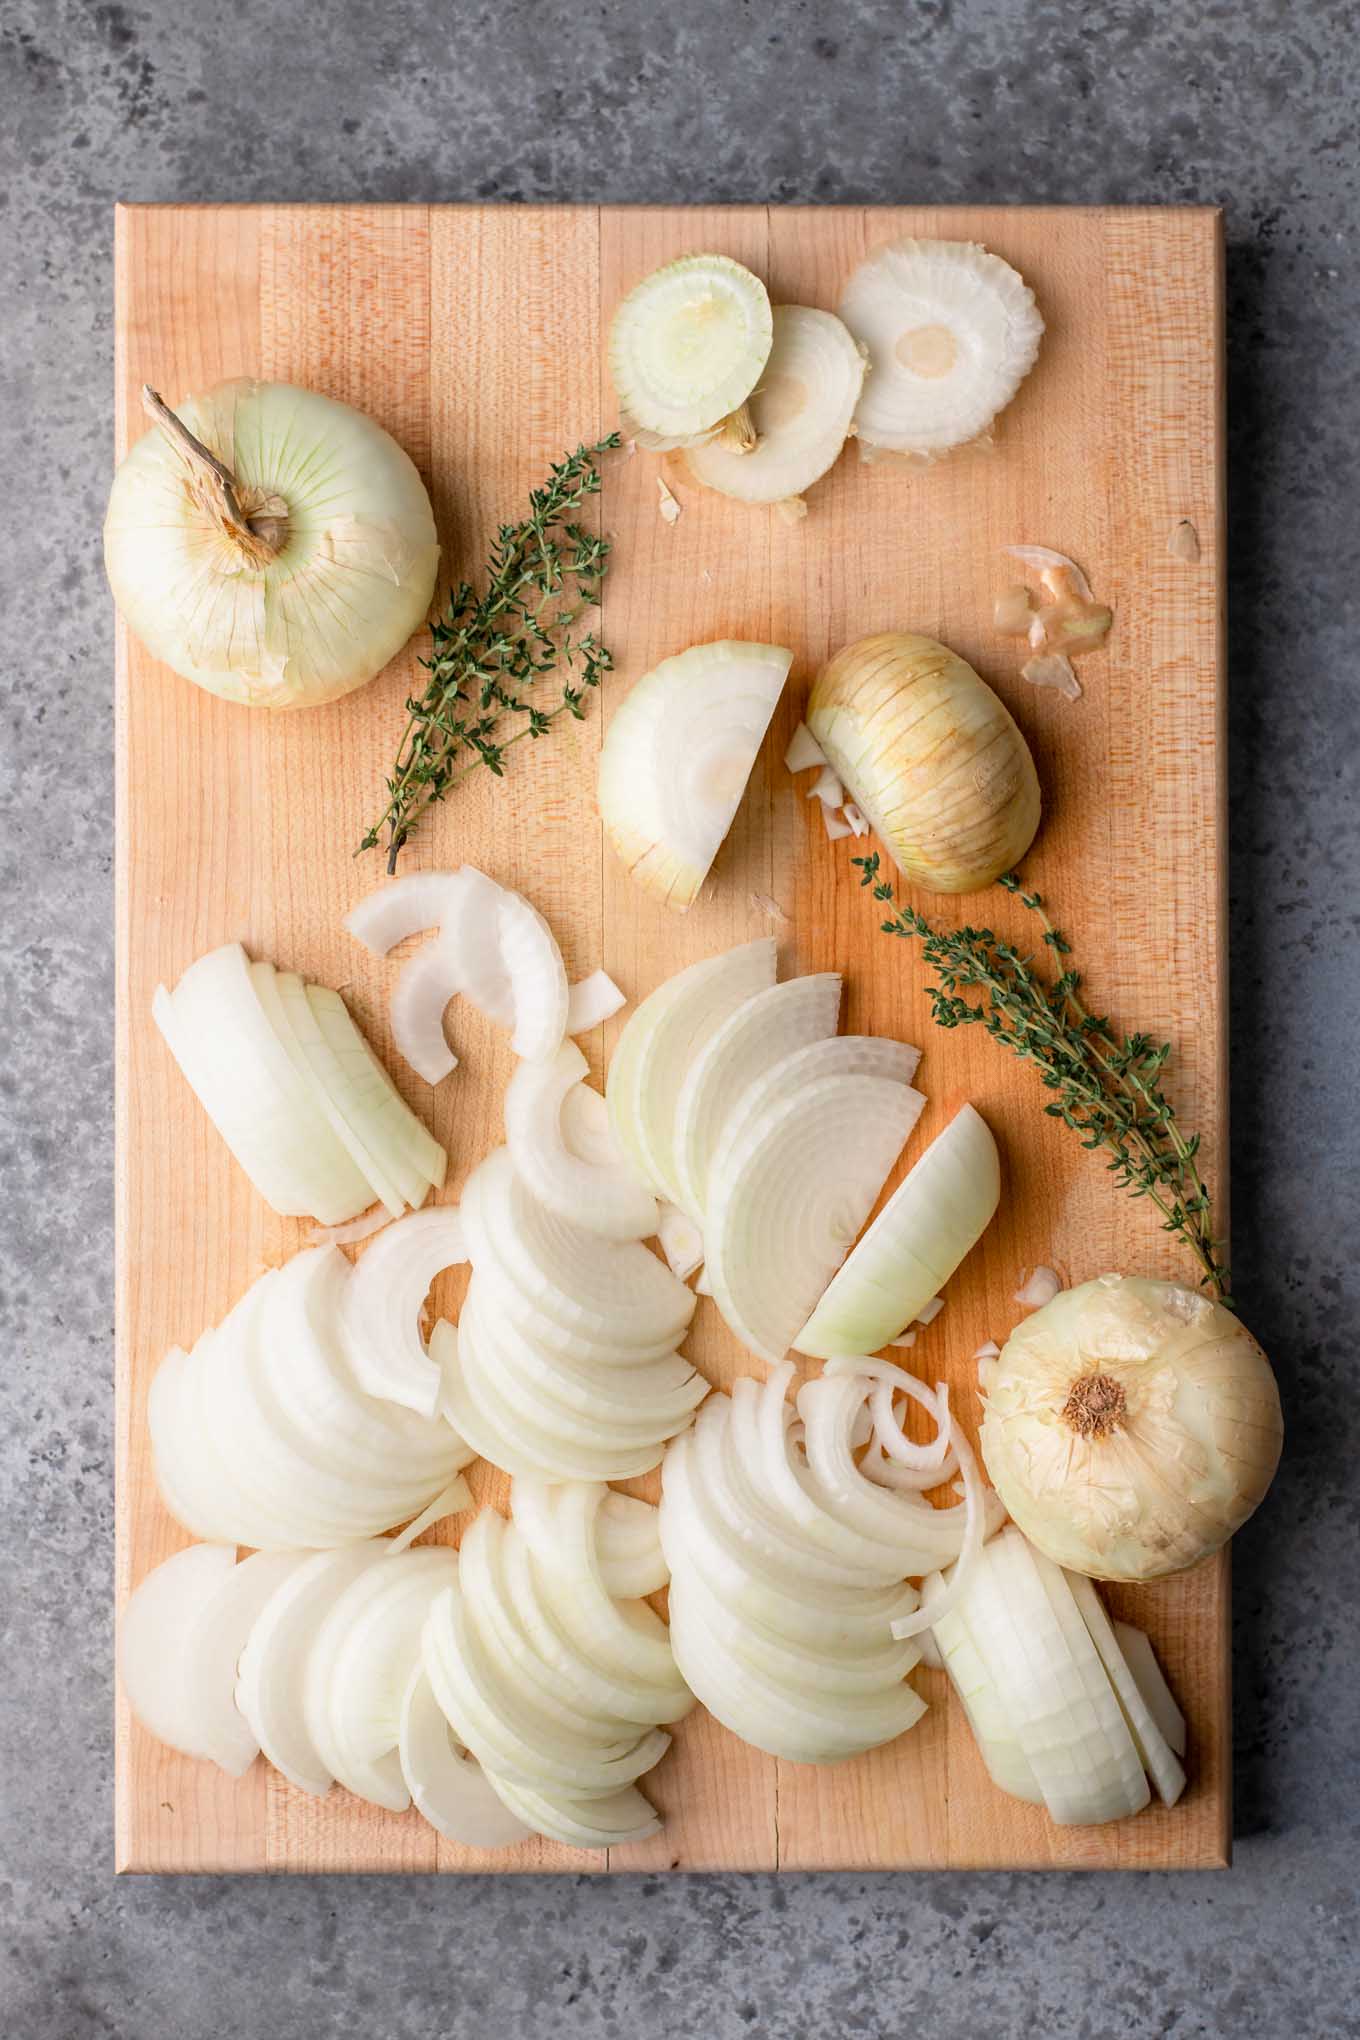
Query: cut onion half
936, 1215
537, 978
153, 1631
801, 409
264, 1109
764, 1028
447, 1785
787, 1200
610, 1199
382, 1306
663, 1039
951, 332
592, 1001
688, 344
271, 1682
676, 757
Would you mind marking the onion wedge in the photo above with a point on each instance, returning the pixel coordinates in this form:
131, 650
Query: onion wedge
951, 331
936, 1215
788, 1198
801, 409
766, 1027
687, 346
663, 1039
676, 757
610, 1199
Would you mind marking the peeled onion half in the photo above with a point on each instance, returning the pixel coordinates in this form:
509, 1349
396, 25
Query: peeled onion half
676, 758
951, 331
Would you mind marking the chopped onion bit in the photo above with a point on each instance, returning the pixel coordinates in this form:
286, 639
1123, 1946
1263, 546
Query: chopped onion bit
1053, 669
804, 754
1038, 1286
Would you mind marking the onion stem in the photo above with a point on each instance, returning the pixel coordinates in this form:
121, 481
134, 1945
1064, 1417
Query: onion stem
260, 537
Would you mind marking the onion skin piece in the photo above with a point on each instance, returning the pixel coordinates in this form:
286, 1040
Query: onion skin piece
931, 756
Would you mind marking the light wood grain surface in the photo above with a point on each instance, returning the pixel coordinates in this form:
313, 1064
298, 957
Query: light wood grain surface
475, 336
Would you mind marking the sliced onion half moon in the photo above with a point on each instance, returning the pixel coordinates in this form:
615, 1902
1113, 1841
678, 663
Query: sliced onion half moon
676, 758
801, 409
610, 1199
937, 1214
788, 1199
425, 984
765, 1028
151, 1635
687, 345
382, 1306
446, 1784
405, 906
951, 331
537, 978
663, 1039
841, 1055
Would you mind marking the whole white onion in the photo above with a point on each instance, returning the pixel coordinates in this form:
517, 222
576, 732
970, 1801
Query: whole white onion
270, 544
1131, 1426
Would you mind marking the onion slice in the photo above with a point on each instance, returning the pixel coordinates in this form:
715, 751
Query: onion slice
1158, 1698
676, 757
801, 410
211, 1647
425, 984
765, 1027
537, 978
592, 1001
789, 1196
152, 1629
687, 345
663, 1039
1158, 1759
936, 1215
404, 906
447, 1785
382, 1306
610, 1198
841, 1055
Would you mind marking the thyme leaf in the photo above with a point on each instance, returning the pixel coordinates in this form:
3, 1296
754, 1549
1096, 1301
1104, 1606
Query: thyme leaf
1107, 1085
490, 652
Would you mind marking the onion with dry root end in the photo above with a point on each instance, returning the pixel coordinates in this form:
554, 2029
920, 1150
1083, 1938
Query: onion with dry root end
951, 332
270, 544
676, 757
1131, 1426
931, 756
933, 1219
686, 349
800, 409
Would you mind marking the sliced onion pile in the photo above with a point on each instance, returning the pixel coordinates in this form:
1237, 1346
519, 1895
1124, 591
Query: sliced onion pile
801, 411
262, 1435
295, 1091
493, 949
564, 1365
951, 332
935, 1216
1061, 1714
555, 1684
676, 757
784, 1588
686, 349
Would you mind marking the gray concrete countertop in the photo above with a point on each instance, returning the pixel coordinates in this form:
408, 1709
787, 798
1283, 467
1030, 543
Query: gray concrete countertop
1246, 103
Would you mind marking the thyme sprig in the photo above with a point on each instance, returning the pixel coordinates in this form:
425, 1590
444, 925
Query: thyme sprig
1108, 1084
490, 651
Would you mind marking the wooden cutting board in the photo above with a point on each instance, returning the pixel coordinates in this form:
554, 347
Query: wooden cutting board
475, 335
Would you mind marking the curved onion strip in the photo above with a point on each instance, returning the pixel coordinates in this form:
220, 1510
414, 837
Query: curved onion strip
801, 409
663, 1038
688, 343
787, 1200
934, 1218
382, 1305
534, 1598
349, 1235
152, 1629
270, 1681
586, 1129
974, 1531
612, 1201
625, 1638
600, 1823
537, 976
378, 1117
592, 1001
608, 1288
842, 1055
796, 1666
241, 1074
450, 1501
447, 1786
676, 757
471, 930
951, 330
359, 1665
888, 1380
425, 984
902, 1519
588, 1346
404, 906
764, 1028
